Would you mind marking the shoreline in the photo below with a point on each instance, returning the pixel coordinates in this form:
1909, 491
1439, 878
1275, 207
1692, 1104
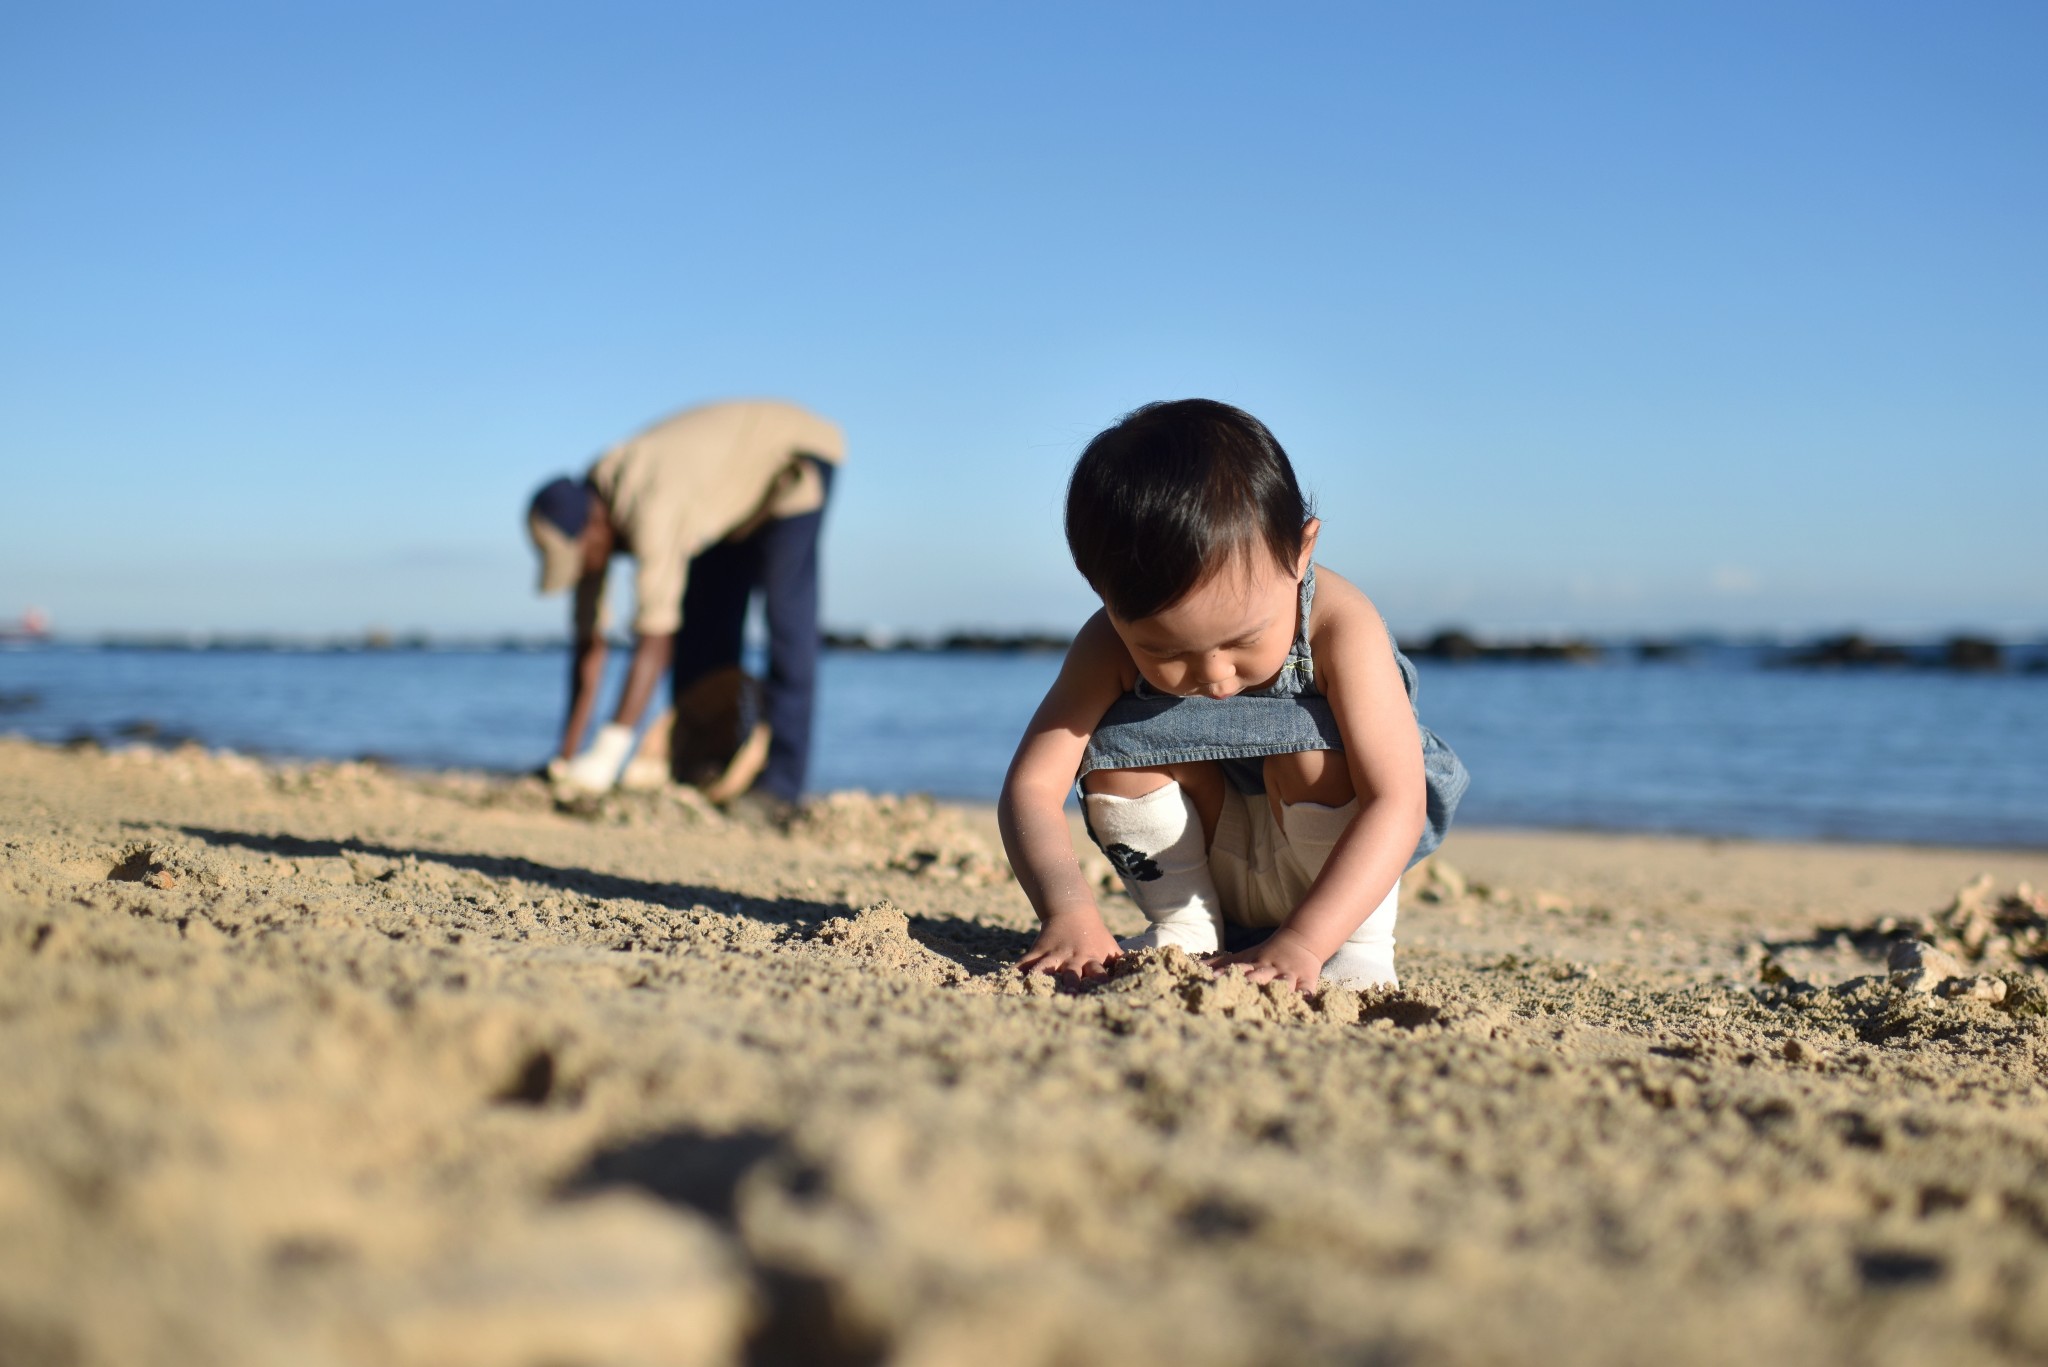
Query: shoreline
332, 1063
980, 804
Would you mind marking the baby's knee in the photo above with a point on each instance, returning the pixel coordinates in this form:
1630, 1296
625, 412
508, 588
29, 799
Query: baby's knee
1125, 782
1196, 778
1318, 776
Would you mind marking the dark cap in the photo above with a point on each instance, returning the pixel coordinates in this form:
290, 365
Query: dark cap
564, 504
554, 520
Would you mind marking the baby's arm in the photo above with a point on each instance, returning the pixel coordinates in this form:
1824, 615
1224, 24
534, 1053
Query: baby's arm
1032, 810
1356, 671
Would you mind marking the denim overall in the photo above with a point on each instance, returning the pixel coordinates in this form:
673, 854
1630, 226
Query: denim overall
1147, 727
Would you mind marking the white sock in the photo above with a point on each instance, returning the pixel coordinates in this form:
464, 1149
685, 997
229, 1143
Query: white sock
1156, 844
1367, 958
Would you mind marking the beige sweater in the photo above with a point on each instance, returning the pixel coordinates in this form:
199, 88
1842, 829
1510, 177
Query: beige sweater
692, 480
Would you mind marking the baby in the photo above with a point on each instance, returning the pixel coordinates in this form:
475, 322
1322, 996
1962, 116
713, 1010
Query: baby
1243, 729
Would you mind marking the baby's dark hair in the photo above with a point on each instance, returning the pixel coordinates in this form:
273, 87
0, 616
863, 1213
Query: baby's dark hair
1171, 492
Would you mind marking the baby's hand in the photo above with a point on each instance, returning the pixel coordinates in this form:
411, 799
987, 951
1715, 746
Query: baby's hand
1075, 945
1281, 958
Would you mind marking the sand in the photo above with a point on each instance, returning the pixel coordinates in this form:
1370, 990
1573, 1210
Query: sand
330, 1065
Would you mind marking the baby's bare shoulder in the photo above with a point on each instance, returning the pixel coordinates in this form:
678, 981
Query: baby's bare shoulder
1341, 604
1346, 633
1099, 653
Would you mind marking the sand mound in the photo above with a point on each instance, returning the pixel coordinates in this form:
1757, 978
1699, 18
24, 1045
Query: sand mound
333, 1065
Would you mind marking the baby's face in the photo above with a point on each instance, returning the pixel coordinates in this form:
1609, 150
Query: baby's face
1231, 632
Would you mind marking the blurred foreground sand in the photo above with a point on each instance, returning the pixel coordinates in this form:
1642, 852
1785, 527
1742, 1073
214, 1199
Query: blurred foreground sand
325, 1065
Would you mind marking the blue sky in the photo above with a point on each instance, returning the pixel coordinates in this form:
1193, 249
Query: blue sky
1575, 316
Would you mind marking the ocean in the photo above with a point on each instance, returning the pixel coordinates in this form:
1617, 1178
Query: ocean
1713, 743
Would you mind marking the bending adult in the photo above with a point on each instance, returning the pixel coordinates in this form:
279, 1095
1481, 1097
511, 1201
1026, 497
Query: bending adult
714, 504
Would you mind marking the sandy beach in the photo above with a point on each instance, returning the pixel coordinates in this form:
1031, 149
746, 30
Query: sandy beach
325, 1064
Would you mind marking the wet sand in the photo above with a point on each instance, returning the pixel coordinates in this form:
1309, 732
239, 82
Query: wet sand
327, 1065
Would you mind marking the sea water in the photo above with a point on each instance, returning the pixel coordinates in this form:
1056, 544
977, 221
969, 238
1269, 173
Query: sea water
1717, 744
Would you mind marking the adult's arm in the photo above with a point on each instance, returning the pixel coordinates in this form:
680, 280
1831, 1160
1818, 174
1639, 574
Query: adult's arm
651, 657
586, 672
586, 627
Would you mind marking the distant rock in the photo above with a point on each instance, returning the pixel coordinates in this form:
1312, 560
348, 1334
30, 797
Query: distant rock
1852, 650
1961, 653
958, 642
1973, 654
1462, 645
1004, 643
1449, 645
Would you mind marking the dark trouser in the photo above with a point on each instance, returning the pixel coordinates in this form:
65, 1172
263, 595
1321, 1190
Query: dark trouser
781, 560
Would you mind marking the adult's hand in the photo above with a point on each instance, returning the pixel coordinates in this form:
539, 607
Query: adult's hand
597, 769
